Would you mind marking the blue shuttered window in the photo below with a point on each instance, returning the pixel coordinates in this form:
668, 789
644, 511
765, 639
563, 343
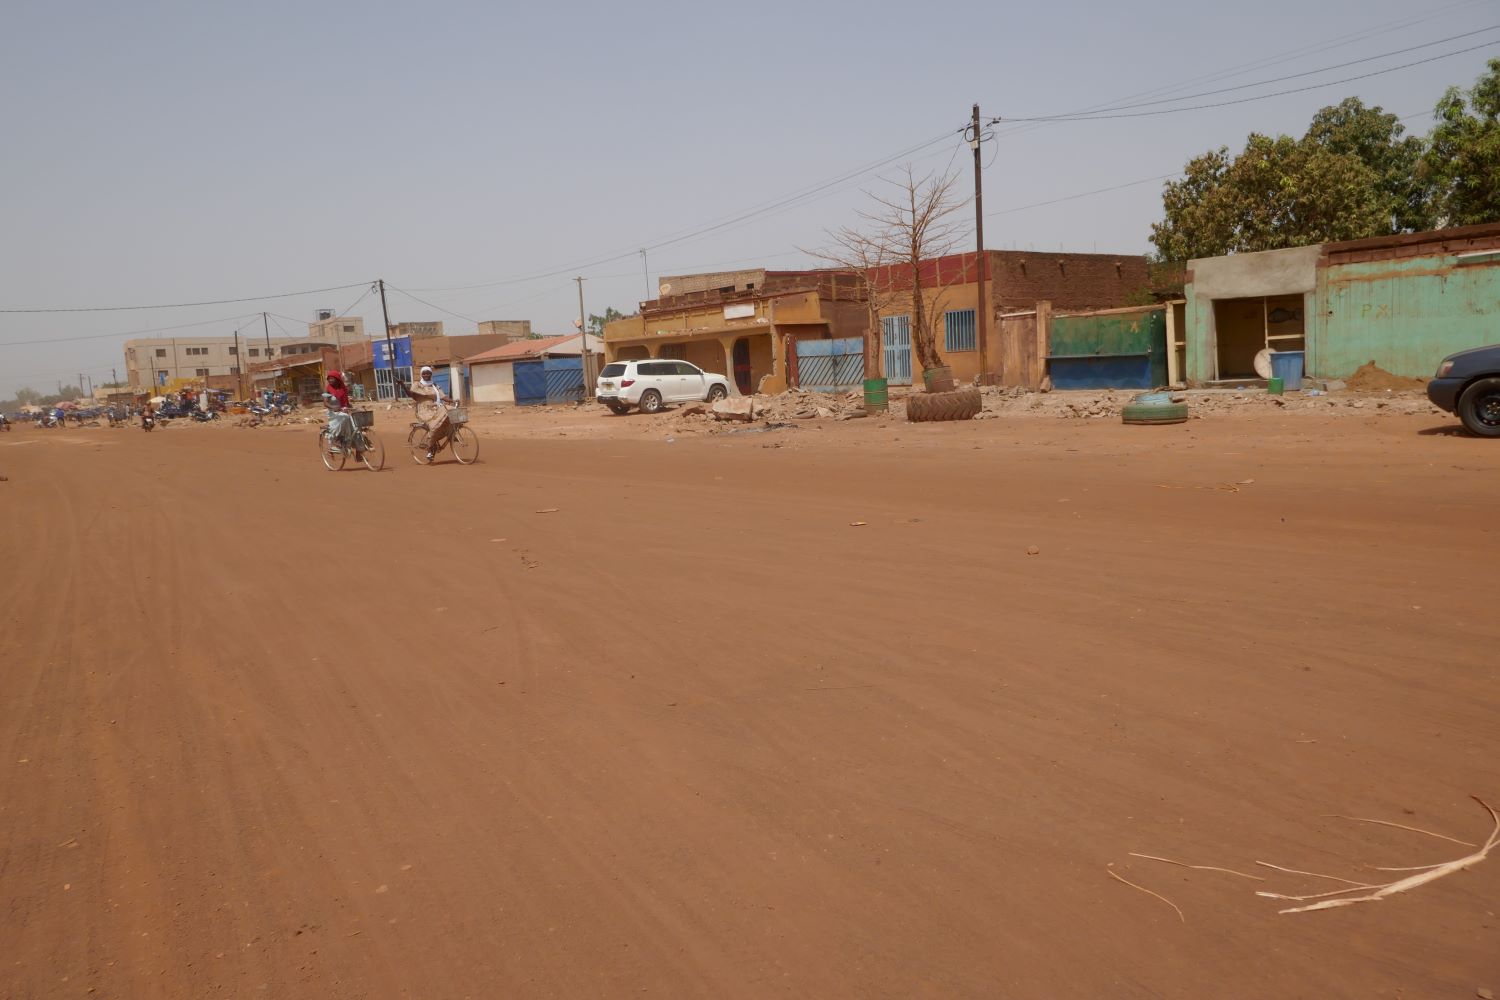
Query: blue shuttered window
958, 327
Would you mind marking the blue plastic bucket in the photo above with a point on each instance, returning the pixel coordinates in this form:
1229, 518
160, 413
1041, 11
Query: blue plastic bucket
1287, 366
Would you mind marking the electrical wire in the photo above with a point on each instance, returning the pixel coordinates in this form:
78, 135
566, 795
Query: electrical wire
431, 305
796, 199
1324, 45
1280, 79
1247, 100
184, 305
1082, 194
127, 333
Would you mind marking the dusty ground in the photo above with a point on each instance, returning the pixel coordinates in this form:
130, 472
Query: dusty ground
271, 731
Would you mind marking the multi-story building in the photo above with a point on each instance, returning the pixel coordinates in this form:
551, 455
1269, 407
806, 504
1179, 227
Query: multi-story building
337, 330
166, 363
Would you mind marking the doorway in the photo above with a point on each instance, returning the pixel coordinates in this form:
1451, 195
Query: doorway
742, 373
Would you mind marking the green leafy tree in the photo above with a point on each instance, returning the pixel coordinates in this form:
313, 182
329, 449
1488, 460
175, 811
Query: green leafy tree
1463, 153
1354, 174
1377, 139
596, 323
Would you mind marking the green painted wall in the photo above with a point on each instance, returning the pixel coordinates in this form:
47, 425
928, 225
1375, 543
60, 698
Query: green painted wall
1143, 332
1405, 315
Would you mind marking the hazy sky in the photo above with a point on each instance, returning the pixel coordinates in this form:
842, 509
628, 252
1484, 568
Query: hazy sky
181, 152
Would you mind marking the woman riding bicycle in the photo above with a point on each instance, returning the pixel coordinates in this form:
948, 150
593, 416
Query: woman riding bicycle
340, 423
439, 427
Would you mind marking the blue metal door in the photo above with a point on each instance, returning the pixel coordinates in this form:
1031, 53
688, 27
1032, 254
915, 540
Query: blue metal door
830, 365
531, 383
564, 378
895, 335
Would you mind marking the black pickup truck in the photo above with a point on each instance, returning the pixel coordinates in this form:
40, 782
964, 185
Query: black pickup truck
1468, 384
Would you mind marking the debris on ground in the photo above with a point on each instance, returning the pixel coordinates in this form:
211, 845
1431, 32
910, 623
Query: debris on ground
1370, 377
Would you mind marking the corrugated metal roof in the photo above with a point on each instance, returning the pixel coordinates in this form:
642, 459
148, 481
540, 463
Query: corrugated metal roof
521, 350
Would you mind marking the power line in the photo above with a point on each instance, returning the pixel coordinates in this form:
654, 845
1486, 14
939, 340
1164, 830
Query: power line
1083, 194
1323, 45
1311, 72
431, 305
127, 333
184, 305
1246, 100
801, 196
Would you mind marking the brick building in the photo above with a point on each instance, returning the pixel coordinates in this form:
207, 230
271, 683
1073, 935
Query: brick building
1018, 282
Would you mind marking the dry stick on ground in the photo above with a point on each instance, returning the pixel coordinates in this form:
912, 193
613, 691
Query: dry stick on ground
1201, 868
1331, 878
1148, 892
1402, 826
1414, 881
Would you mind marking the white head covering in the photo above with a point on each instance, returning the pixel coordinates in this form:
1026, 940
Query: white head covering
426, 371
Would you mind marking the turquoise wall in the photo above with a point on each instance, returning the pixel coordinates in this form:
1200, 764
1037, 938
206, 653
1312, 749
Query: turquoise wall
1405, 315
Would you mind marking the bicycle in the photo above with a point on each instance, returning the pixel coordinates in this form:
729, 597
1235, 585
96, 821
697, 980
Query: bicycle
371, 450
463, 442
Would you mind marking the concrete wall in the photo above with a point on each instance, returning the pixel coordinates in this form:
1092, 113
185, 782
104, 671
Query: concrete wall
493, 383
1238, 276
1405, 315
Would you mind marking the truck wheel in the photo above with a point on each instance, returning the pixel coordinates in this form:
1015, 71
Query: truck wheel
650, 401
1479, 408
717, 393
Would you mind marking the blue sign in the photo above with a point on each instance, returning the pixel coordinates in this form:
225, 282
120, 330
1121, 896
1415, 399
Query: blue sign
161, 378
382, 352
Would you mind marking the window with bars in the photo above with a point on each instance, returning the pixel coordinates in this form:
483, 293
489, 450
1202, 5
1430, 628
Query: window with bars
958, 329
201, 372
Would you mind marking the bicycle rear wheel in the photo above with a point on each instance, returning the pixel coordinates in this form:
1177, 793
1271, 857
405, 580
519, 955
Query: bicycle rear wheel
333, 460
465, 445
416, 443
372, 451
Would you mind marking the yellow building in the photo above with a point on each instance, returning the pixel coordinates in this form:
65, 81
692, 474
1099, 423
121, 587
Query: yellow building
743, 332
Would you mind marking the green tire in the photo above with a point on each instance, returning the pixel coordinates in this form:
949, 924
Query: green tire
1146, 413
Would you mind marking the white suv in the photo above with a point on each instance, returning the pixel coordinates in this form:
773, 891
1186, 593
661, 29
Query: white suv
652, 383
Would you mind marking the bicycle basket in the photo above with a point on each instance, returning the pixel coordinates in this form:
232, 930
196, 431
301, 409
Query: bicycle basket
364, 418
458, 416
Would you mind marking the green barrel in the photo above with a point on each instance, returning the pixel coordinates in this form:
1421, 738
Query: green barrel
877, 395
1275, 386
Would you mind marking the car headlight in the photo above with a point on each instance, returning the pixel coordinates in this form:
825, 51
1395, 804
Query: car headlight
1444, 369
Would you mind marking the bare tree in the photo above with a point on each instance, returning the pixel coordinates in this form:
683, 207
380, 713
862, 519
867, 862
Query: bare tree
917, 224
869, 260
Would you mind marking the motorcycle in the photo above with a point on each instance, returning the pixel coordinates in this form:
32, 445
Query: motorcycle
148, 422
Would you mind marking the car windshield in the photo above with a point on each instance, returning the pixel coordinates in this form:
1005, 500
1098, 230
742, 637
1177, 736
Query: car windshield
612, 370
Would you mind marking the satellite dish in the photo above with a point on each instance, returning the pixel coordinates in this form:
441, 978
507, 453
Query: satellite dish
1263, 363
665, 288
578, 324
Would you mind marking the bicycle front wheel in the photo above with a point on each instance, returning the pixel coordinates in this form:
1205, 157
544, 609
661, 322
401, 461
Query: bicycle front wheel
416, 443
333, 457
465, 445
372, 451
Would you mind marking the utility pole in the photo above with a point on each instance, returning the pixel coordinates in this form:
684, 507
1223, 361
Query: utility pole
390, 346
646, 271
982, 312
239, 368
80, 383
583, 335
267, 328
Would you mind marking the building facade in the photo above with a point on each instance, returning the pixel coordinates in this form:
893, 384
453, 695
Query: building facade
1403, 302
743, 332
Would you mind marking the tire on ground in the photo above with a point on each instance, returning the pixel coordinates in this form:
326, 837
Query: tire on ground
1154, 413
962, 404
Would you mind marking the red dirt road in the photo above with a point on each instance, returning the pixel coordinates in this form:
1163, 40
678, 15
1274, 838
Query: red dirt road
271, 731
